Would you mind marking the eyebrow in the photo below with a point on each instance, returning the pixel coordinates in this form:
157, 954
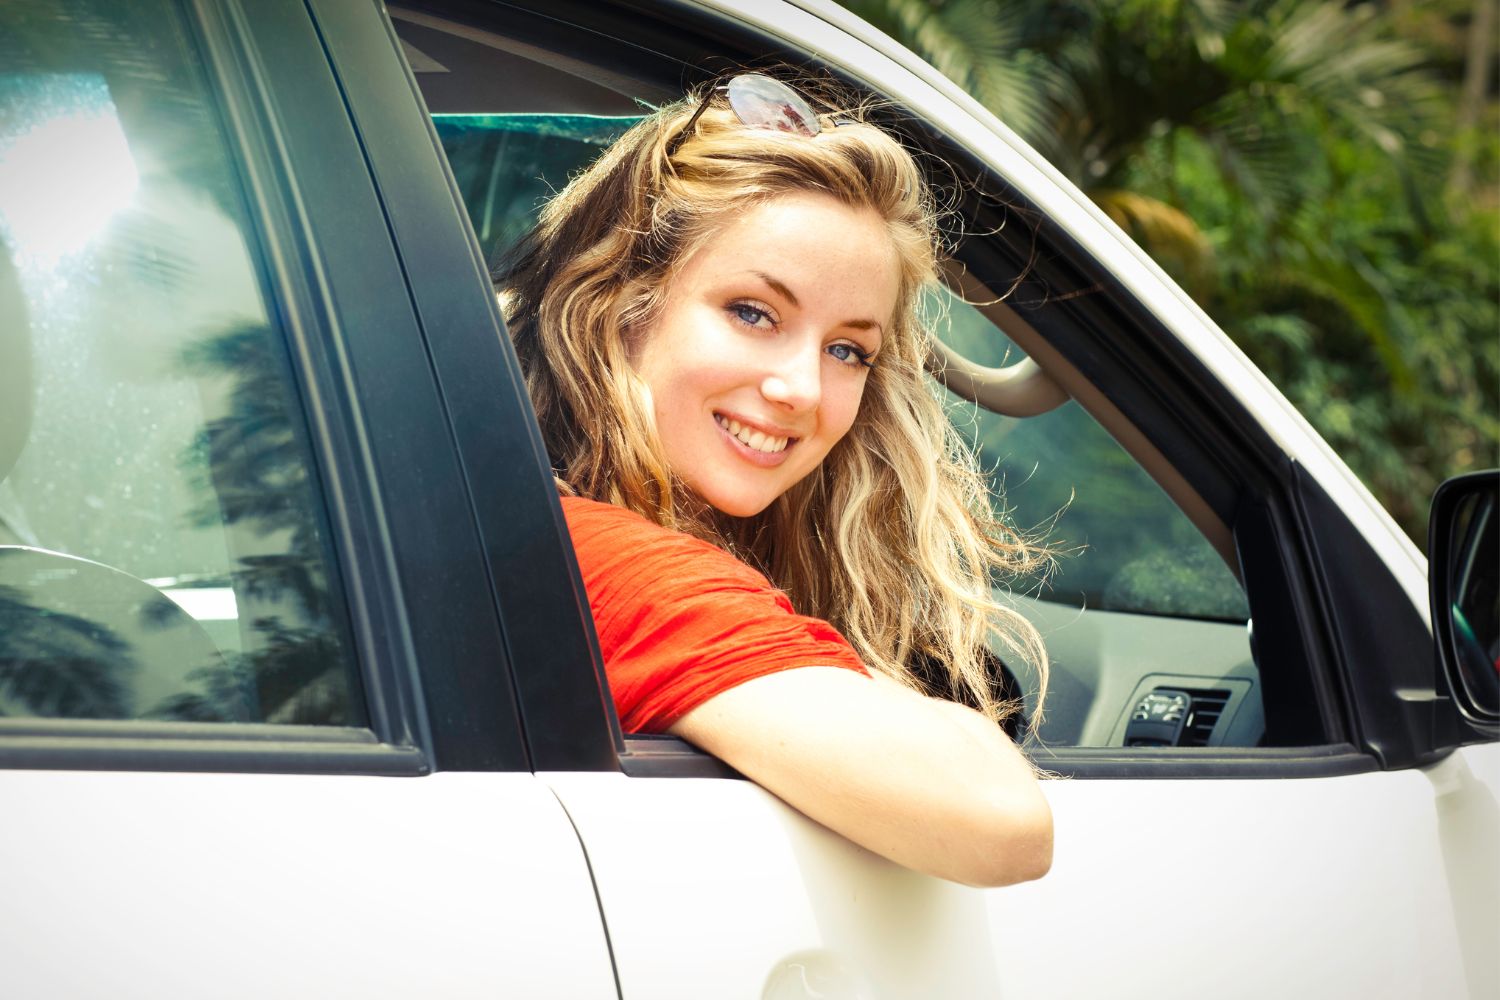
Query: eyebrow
779, 287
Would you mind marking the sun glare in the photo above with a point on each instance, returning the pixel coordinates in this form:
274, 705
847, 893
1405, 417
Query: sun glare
65, 166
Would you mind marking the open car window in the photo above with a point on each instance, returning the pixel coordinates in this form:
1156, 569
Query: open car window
1143, 617
507, 165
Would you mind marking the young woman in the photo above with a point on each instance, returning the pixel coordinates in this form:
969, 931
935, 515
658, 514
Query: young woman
787, 552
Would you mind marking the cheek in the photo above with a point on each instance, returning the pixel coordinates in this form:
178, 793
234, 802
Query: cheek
687, 388
686, 359
841, 409
667, 372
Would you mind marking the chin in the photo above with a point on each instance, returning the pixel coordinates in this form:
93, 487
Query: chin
736, 504
741, 508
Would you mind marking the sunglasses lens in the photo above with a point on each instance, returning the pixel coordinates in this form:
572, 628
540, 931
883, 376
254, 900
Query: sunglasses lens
762, 102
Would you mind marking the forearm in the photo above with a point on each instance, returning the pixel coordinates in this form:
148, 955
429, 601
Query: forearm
926, 783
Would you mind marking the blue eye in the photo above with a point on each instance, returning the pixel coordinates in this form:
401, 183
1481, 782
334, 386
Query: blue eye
750, 315
851, 355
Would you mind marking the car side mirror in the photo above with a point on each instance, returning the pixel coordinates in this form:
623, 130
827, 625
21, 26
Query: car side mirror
1464, 582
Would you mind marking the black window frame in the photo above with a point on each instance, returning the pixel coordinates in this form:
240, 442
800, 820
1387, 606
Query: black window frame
514, 516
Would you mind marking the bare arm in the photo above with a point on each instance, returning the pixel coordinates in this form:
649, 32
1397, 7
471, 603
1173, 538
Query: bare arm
926, 783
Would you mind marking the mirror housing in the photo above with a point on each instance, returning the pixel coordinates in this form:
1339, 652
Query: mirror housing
1464, 584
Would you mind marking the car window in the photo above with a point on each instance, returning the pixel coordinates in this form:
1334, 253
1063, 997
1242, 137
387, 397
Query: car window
1142, 618
1123, 545
1141, 613
162, 544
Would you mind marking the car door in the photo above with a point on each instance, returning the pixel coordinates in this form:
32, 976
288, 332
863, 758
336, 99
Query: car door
258, 735
1324, 839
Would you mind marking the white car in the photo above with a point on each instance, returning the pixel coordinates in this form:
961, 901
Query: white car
299, 692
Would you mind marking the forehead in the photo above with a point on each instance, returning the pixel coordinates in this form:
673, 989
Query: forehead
812, 243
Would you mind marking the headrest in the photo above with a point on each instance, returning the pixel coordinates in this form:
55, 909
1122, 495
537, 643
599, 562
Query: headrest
83, 641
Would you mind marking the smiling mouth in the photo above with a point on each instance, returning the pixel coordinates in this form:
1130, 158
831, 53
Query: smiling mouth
752, 438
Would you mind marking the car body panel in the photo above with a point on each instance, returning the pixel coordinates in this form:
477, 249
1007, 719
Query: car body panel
1378, 884
713, 887
1467, 789
488, 880
1353, 886
264, 885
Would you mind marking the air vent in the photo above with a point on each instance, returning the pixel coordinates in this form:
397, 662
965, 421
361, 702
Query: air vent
1208, 706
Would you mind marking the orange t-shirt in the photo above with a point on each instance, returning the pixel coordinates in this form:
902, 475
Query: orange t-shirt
680, 620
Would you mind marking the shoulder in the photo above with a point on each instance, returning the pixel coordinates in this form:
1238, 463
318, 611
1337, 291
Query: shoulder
592, 522
594, 516
679, 620
616, 543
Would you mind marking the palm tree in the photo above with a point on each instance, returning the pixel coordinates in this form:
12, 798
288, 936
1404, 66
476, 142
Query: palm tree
56, 664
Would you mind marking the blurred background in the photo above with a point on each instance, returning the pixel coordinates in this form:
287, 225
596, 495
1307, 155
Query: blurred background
1322, 177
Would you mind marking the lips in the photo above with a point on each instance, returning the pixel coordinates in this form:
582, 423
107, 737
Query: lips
753, 438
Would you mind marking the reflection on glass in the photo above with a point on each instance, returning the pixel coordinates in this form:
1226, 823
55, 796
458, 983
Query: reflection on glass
508, 165
1474, 589
161, 437
80, 640
65, 167
55, 664
1126, 546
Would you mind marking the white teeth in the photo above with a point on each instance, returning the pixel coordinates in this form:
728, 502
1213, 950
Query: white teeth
751, 438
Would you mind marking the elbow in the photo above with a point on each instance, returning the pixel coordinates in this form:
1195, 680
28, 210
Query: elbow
1034, 854
1018, 849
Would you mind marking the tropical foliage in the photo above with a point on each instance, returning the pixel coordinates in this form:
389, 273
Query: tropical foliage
1321, 176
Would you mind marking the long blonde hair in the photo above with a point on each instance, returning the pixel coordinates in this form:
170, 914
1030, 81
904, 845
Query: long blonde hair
892, 539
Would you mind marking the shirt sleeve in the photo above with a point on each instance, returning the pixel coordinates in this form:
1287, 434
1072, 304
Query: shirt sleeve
680, 621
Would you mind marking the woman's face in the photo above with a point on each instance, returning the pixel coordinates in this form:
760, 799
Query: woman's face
758, 361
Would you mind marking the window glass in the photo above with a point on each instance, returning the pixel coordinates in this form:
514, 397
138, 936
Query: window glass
1125, 545
162, 552
508, 165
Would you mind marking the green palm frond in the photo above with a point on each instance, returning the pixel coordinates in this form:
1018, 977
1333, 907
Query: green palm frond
984, 46
1339, 62
1294, 155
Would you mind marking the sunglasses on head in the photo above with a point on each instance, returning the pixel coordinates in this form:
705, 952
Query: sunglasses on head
758, 101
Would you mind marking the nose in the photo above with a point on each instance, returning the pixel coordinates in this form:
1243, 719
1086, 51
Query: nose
796, 384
